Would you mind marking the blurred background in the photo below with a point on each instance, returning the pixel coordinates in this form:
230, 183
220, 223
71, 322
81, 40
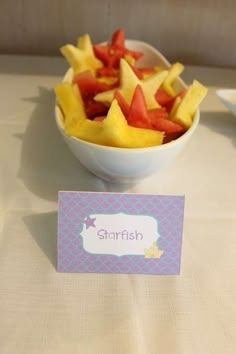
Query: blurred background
194, 32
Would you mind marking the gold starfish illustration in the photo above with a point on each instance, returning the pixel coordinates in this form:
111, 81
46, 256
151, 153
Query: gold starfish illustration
153, 251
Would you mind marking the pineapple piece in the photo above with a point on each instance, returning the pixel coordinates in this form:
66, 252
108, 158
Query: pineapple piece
87, 130
187, 107
158, 69
107, 80
70, 102
114, 131
174, 107
174, 71
118, 133
129, 59
81, 58
128, 83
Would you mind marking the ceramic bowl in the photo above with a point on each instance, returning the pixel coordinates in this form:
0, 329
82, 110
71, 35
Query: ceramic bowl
228, 98
123, 165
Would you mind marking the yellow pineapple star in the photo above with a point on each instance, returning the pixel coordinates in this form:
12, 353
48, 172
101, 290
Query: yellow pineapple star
128, 83
81, 58
114, 131
71, 103
173, 73
117, 132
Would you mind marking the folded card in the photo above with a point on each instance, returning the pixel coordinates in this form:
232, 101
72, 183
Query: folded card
119, 232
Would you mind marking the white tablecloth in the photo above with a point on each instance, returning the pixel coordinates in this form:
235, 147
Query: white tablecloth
46, 312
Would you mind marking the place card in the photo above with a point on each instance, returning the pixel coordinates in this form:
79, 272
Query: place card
119, 233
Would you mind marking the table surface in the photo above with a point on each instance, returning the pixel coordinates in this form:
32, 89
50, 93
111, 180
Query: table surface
46, 312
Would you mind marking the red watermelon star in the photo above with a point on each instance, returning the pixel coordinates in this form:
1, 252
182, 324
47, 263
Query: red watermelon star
138, 115
111, 53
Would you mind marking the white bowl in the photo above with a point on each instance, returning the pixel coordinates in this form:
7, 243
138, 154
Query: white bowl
123, 165
228, 98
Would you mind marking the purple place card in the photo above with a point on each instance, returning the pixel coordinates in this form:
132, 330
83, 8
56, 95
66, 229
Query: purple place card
119, 233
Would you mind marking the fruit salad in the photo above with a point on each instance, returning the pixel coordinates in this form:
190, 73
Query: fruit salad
112, 101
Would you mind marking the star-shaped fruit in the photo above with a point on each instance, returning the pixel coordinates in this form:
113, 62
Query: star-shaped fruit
88, 130
128, 83
137, 114
71, 103
111, 53
114, 131
81, 58
174, 71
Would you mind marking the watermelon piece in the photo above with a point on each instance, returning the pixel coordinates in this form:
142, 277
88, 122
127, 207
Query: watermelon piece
142, 72
122, 103
138, 115
93, 108
163, 98
88, 85
167, 126
111, 53
170, 137
157, 113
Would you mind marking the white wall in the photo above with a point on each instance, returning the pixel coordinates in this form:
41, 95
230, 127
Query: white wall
194, 32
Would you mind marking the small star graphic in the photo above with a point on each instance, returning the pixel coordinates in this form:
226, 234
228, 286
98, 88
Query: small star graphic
89, 222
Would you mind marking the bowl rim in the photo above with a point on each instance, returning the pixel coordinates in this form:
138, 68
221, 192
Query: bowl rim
222, 94
179, 140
